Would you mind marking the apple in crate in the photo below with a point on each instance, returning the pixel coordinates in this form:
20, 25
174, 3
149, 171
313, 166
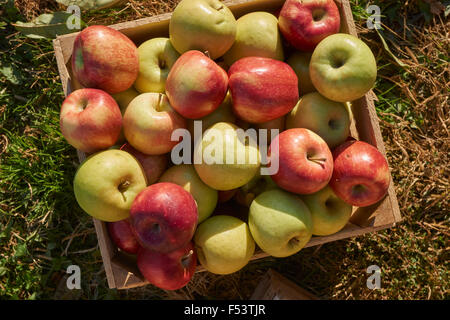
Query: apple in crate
156, 58
123, 237
329, 213
106, 184
305, 161
223, 159
262, 89
299, 61
149, 121
224, 244
185, 176
361, 173
257, 35
164, 217
196, 85
342, 68
205, 25
90, 120
280, 222
153, 165
123, 99
329, 119
304, 23
168, 271
105, 58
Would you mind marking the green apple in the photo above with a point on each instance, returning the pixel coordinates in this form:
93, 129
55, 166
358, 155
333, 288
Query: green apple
123, 99
259, 184
224, 158
223, 244
280, 222
299, 61
329, 119
106, 184
156, 57
223, 113
329, 213
185, 176
342, 67
257, 35
204, 25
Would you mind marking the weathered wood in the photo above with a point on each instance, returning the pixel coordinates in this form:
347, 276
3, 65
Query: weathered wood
120, 271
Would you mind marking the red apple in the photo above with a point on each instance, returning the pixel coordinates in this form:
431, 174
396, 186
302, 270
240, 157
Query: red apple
168, 271
123, 237
153, 165
90, 120
305, 161
304, 23
262, 89
164, 217
196, 85
105, 58
361, 173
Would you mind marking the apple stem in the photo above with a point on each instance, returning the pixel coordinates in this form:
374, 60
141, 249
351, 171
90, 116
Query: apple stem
206, 53
319, 161
186, 259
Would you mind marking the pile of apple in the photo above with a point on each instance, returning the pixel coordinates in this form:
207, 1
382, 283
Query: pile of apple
139, 110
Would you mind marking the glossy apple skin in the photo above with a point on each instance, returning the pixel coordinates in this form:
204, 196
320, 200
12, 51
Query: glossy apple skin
122, 236
164, 217
361, 173
297, 22
90, 120
105, 58
149, 121
196, 85
153, 165
168, 271
262, 89
297, 172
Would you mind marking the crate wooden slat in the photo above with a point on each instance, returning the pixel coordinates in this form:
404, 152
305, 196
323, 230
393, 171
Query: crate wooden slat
120, 269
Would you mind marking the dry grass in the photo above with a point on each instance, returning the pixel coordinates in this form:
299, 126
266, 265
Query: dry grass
413, 106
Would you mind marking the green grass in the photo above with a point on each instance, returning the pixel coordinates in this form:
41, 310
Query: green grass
43, 230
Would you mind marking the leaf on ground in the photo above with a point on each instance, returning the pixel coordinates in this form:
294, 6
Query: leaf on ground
386, 47
91, 4
21, 250
11, 73
48, 25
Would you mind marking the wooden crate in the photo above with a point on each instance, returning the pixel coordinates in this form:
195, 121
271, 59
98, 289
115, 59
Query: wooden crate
120, 269
273, 286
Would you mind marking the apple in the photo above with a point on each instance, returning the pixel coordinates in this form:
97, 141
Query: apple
361, 173
329, 213
329, 119
164, 217
196, 85
278, 123
90, 120
223, 113
156, 58
248, 192
153, 165
106, 184
305, 161
224, 244
168, 271
280, 223
227, 195
185, 176
149, 121
299, 61
205, 25
123, 99
262, 89
342, 68
223, 159
304, 23
257, 35
105, 58
123, 237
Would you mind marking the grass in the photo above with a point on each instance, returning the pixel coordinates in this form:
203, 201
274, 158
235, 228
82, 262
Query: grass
43, 230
